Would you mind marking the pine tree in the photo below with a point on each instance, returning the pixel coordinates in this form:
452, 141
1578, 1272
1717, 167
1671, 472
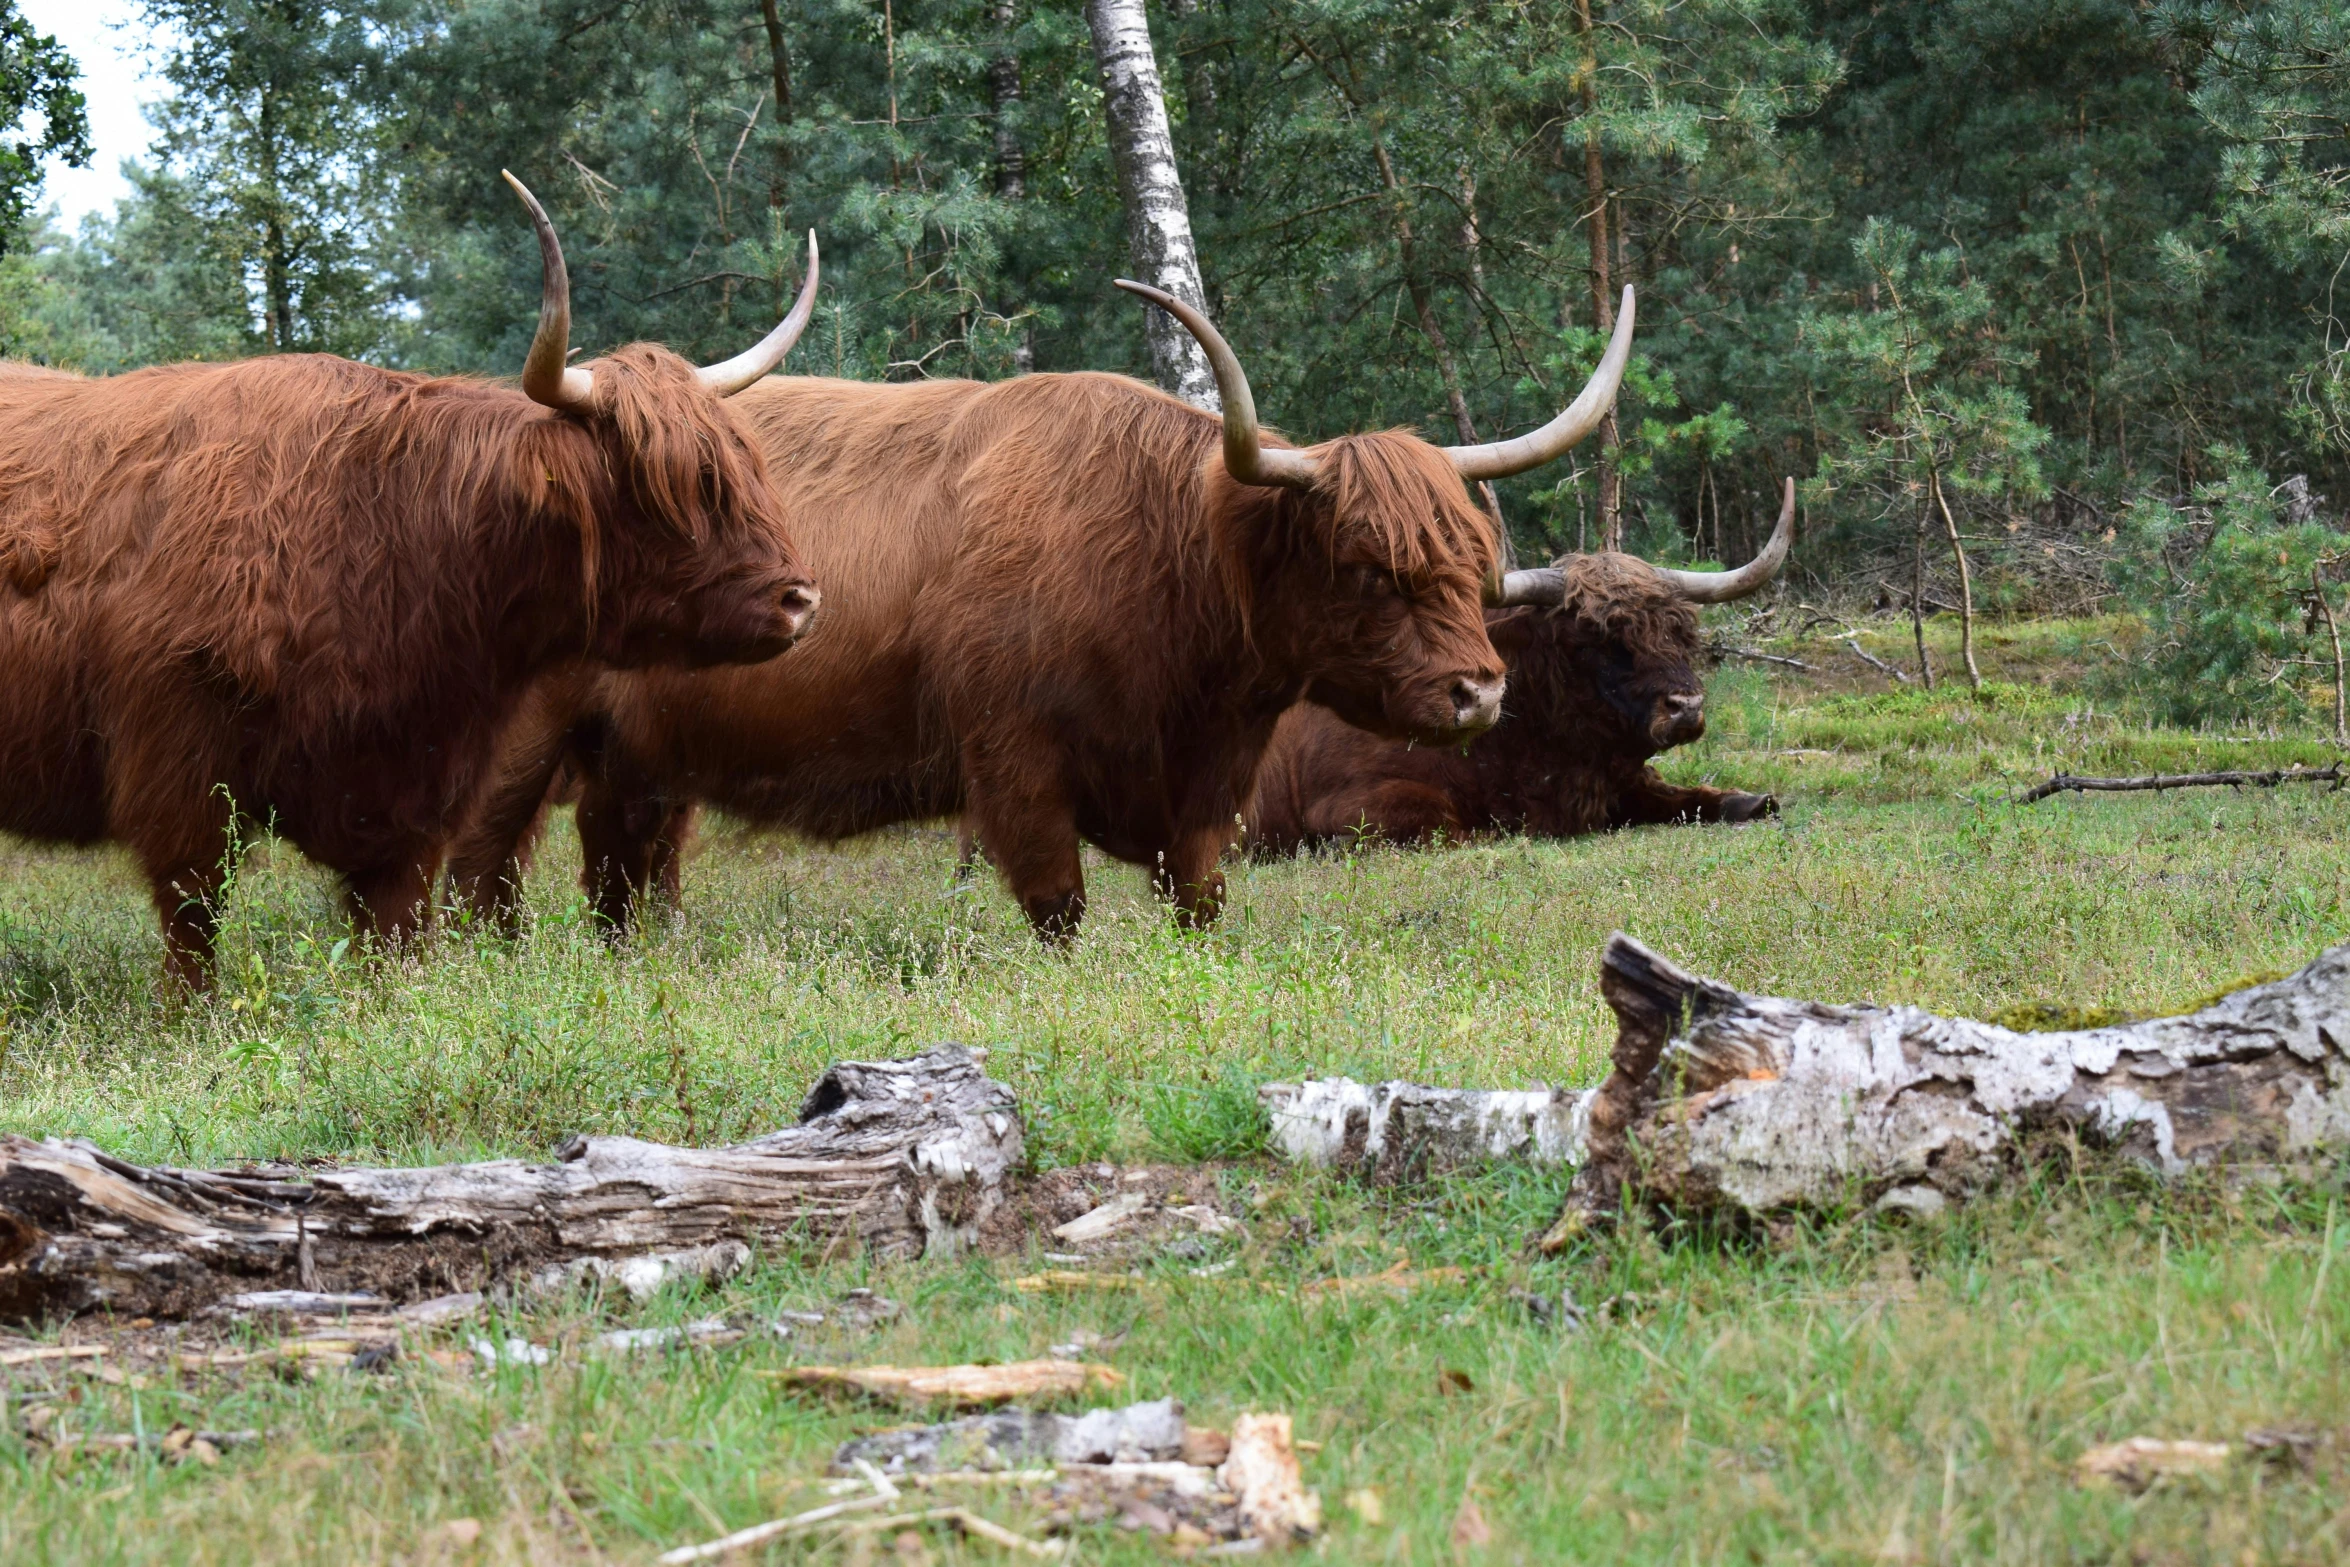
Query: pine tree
269, 139
1930, 419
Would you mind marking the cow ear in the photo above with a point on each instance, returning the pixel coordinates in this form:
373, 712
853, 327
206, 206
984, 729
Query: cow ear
1510, 629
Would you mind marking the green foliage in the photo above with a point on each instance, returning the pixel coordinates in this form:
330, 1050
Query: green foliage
1920, 386
2048, 253
2225, 586
272, 167
1219, 1117
37, 81
2276, 87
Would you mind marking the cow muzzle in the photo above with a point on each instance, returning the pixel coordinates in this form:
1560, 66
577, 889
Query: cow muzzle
1680, 718
796, 607
1476, 704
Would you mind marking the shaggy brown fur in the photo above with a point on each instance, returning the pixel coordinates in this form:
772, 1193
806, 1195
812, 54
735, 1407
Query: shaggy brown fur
306, 592
1598, 685
1046, 603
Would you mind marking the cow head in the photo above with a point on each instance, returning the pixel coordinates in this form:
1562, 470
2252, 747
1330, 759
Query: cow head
1602, 648
687, 555
1392, 563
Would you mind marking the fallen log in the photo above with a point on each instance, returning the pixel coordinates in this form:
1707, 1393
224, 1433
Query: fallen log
902, 1157
2062, 783
1753, 1104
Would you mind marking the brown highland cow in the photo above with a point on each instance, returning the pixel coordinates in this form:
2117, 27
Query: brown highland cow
306, 592
1602, 659
1069, 606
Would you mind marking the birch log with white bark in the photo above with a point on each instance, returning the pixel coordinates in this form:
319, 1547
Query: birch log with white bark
902, 1157
1724, 1101
1158, 222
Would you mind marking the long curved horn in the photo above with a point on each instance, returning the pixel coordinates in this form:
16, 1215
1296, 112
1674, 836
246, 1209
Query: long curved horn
1719, 587
1500, 459
753, 363
545, 377
1538, 585
1548, 584
1245, 457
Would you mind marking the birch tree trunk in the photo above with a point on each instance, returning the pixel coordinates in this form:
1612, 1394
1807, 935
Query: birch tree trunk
1158, 223
1726, 1102
1011, 157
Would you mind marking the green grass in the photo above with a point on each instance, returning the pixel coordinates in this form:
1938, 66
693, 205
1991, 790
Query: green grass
1852, 1390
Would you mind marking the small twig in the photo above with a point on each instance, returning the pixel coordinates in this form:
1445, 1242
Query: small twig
2330, 773
1852, 641
1756, 655
40, 1352
768, 1531
972, 1523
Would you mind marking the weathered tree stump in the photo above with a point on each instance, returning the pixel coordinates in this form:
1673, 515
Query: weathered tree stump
902, 1157
1724, 1101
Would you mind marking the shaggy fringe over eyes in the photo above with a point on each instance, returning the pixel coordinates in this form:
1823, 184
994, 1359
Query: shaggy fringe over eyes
688, 451
1382, 483
1621, 598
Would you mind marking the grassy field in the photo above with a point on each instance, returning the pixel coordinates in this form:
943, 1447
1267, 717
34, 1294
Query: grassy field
1857, 1390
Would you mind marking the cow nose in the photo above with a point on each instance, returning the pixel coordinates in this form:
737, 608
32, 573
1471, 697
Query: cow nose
1475, 703
1684, 715
798, 605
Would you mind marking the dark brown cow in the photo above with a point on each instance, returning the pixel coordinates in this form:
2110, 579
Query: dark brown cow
1068, 605
1602, 661
308, 593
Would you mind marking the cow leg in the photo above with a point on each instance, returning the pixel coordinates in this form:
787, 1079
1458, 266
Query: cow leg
188, 850
1650, 801
387, 903
632, 842
666, 872
1187, 877
969, 851
1031, 834
187, 902
492, 856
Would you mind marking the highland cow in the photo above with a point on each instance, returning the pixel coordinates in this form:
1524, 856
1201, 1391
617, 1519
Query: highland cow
304, 593
1069, 606
1602, 656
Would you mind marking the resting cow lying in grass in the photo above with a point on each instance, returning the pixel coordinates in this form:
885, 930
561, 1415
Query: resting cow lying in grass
1602, 655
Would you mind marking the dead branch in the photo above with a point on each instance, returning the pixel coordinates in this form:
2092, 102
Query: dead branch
1751, 1104
2330, 773
1755, 655
1851, 641
901, 1157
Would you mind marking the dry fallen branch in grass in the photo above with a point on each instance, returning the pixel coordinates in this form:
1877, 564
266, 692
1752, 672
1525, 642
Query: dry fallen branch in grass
1755, 655
964, 1386
2062, 783
2137, 1463
1754, 1104
902, 1157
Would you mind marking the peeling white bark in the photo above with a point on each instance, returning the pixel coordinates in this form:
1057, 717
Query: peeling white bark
903, 1157
1760, 1103
1397, 1131
1723, 1100
1158, 223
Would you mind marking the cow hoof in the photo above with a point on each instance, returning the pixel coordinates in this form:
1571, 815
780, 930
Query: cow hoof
1749, 807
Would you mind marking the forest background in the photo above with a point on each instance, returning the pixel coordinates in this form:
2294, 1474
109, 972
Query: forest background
2042, 300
